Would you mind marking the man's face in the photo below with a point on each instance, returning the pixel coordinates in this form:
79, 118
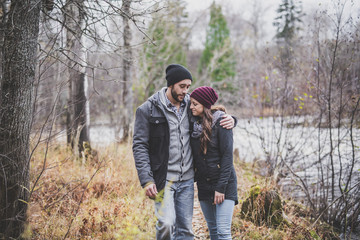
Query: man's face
180, 89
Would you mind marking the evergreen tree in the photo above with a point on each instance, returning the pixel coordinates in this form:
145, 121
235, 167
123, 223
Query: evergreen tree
217, 60
287, 21
289, 15
169, 44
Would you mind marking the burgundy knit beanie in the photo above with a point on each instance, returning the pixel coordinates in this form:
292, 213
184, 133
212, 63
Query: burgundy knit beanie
205, 95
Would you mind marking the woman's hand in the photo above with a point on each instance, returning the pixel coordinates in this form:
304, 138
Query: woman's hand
219, 197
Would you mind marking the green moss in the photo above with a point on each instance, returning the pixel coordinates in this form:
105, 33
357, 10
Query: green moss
254, 235
254, 192
273, 208
276, 234
314, 235
247, 206
263, 206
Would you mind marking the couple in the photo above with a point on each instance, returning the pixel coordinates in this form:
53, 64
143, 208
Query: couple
178, 138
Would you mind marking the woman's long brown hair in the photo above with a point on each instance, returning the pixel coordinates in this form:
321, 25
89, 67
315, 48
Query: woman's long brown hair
206, 126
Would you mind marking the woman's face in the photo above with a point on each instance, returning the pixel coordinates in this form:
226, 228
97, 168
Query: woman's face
196, 108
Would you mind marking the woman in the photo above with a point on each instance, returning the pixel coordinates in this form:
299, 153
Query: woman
213, 159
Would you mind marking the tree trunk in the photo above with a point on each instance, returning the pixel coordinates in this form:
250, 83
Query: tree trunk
16, 109
76, 113
69, 122
127, 104
5, 8
80, 112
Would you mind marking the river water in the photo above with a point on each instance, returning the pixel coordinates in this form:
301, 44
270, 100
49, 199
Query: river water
299, 147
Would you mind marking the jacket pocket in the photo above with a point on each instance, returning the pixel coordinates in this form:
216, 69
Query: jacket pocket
158, 126
213, 169
157, 142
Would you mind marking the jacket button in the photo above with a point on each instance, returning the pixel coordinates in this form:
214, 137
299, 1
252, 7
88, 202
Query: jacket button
218, 166
157, 121
208, 179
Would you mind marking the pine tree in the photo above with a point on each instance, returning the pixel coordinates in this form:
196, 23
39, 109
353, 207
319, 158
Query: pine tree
168, 46
289, 15
217, 60
287, 23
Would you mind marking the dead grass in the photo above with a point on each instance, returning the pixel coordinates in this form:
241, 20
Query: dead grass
102, 199
97, 200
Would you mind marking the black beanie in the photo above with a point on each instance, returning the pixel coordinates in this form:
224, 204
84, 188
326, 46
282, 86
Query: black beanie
176, 73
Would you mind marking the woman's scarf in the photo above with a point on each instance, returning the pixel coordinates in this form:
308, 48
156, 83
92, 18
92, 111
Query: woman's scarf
197, 130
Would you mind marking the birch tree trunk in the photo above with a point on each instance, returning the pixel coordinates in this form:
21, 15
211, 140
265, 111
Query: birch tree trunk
18, 60
127, 102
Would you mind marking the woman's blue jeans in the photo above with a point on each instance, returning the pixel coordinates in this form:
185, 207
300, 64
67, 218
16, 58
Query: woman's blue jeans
174, 211
218, 218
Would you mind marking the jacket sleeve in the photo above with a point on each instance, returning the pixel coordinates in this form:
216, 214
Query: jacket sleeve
235, 121
226, 161
141, 145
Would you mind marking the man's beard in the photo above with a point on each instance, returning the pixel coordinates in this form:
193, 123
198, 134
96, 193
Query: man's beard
176, 96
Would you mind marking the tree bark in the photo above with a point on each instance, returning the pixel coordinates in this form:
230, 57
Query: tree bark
77, 127
5, 8
80, 112
127, 102
18, 62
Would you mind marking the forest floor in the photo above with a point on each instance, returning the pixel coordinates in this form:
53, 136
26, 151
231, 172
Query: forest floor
101, 198
199, 224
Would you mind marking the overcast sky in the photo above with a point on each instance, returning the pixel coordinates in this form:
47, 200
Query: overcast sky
241, 4
243, 7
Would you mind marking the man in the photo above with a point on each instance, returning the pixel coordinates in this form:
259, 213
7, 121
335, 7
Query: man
162, 153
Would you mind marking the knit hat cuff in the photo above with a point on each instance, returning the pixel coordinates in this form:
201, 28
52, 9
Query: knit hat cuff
176, 73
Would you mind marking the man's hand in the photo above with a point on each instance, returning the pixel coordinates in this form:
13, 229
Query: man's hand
151, 191
219, 197
227, 122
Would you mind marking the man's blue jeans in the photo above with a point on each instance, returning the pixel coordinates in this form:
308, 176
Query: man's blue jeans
175, 210
218, 218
